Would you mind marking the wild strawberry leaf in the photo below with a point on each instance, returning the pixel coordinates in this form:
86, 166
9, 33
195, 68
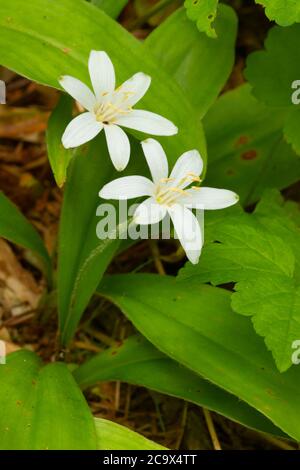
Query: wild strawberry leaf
284, 12
203, 12
261, 254
274, 74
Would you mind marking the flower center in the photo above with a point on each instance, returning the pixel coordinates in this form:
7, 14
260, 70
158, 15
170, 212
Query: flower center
112, 107
167, 195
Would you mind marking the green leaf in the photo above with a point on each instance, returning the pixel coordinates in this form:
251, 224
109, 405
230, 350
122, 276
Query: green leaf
16, 228
59, 157
47, 50
291, 129
284, 12
249, 251
112, 8
273, 71
201, 65
89, 170
274, 74
195, 325
113, 436
203, 12
83, 258
42, 407
138, 362
246, 147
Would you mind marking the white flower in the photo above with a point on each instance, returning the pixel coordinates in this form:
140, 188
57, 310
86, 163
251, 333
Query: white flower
109, 108
174, 195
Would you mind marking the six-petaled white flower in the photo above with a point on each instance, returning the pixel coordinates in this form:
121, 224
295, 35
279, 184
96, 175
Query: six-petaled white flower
109, 108
176, 195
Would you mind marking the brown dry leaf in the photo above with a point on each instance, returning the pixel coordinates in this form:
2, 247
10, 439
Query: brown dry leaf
22, 123
19, 292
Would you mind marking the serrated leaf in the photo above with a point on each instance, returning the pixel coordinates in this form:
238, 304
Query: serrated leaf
113, 436
273, 70
249, 251
138, 362
59, 157
201, 65
274, 74
203, 12
17, 229
195, 325
42, 407
284, 12
246, 147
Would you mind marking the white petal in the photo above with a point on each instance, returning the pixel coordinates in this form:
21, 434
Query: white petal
118, 146
80, 130
156, 159
102, 73
79, 91
147, 122
188, 231
135, 87
188, 163
211, 198
127, 187
149, 212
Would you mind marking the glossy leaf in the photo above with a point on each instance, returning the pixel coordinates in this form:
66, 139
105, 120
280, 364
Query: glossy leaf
42, 407
246, 147
16, 228
195, 325
47, 50
59, 157
113, 436
201, 65
138, 362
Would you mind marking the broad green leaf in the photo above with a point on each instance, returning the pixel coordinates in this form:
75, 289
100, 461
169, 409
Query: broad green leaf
203, 12
113, 436
249, 251
112, 8
274, 74
83, 258
16, 228
48, 49
138, 362
284, 12
291, 129
246, 147
59, 157
195, 325
42, 407
201, 65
